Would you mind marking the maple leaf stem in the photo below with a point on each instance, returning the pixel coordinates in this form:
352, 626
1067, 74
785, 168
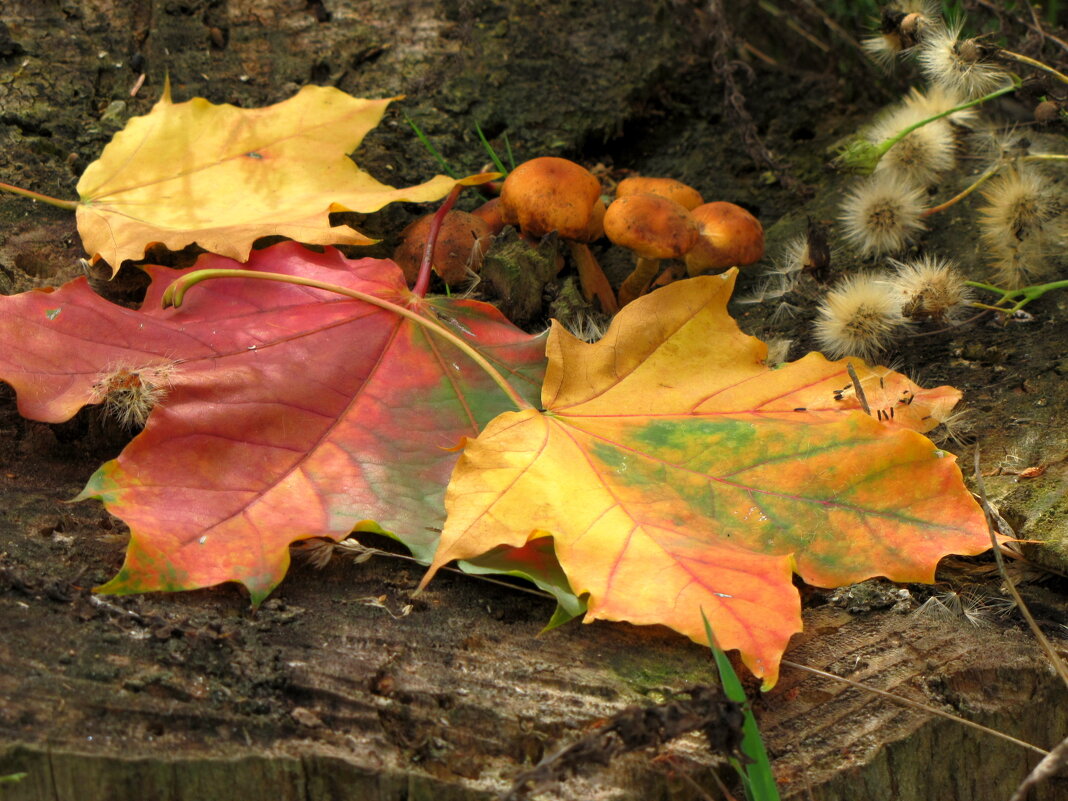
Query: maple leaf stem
175, 294
422, 283
51, 201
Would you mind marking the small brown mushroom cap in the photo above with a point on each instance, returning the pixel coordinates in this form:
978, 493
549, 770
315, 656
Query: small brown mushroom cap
652, 226
552, 194
461, 244
730, 237
683, 194
490, 212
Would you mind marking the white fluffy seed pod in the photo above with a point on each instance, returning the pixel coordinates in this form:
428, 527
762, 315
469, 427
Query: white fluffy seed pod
859, 317
959, 65
1019, 225
130, 393
882, 214
922, 155
931, 288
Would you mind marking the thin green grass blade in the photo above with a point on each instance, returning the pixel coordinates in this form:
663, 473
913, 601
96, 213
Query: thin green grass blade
508, 150
489, 149
433, 150
757, 778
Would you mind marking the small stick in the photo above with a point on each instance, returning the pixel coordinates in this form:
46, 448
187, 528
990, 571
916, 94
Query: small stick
902, 701
860, 390
993, 519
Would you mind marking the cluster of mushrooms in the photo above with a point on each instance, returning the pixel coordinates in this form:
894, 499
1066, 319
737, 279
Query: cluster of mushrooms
655, 218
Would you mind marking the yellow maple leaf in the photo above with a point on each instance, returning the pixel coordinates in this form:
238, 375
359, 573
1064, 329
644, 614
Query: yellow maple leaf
222, 176
678, 473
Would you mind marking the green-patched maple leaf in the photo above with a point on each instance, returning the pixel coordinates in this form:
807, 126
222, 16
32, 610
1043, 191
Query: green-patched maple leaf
676, 472
285, 412
221, 176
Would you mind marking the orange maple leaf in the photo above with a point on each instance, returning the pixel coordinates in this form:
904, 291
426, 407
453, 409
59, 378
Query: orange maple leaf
677, 473
222, 176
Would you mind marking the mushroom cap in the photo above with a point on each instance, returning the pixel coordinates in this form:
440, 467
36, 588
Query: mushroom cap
730, 237
683, 194
652, 226
552, 194
461, 244
490, 212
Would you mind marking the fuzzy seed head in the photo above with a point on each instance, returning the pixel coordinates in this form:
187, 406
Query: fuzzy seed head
1019, 225
1019, 203
961, 66
997, 143
901, 26
883, 48
809, 252
938, 99
882, 214
859, 317
130, 394
923, 154
931, 289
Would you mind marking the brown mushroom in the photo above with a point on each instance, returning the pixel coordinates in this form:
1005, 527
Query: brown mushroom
458, 252
490, 213
552, 194
730, 237
681, 193
655, 228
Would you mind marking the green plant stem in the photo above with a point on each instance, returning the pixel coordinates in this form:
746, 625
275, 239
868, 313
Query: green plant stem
1022, 296
175, 294
886, 144
982, 179
863, 155
1046, 157
987, 175
422, 282
1038, 65
51, 201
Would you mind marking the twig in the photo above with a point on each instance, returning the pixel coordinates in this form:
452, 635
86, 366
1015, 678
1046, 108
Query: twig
734, 101
1037, 29
833, 25
1051, 764
902, 701
858, 388
996, 522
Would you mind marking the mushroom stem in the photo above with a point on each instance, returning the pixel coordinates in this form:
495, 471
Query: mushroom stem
638, 281
592, 278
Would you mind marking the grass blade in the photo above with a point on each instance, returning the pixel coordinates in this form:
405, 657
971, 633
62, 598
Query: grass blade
492, 153
757, 778
433, 150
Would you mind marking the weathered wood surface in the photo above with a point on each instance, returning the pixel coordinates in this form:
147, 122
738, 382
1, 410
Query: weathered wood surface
323, 694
